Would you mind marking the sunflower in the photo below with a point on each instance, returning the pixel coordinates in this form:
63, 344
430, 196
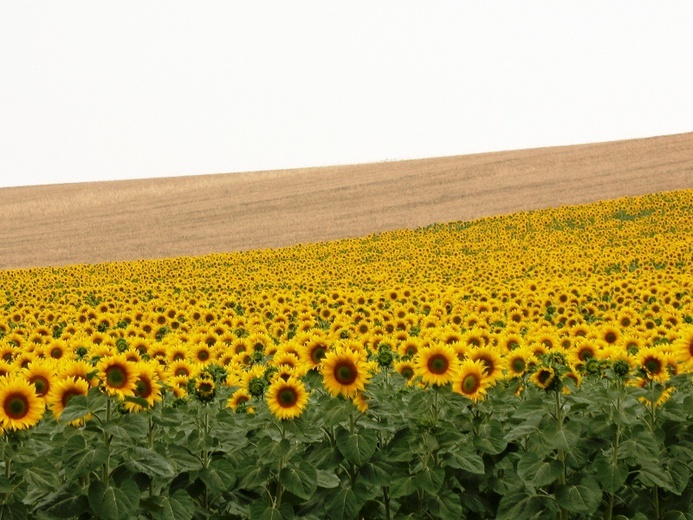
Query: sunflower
20, 406
344, 372
5, 368
582, 351
544, 378
80, 369
314, 351
240, 398
201, 353
574, 376
40, 375
286, 399
147, 387
360, 401
409, 347
492, 360
471, 380
406, 369
518, 361
285, 358
57, 349
205, 389
683, 348
437, 364
609, 334
176, 351
182, 368
653, 364
63, 390
117, 375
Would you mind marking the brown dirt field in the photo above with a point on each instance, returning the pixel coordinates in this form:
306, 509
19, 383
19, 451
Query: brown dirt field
156, 218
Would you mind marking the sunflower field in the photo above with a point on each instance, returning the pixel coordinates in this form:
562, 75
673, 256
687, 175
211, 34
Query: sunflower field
533, 365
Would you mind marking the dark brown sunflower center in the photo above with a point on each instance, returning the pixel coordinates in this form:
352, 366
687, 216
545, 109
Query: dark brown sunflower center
518, 365
203, 355
16, 406
41, 384
287, 397
181, 371
411, 351
407, 372
610, 337
205, 388
317, 354
116, 376
56, 353
69, 394
585, 354
544, 376
438, 364
143, 388
653, 365
470, 383
345, 373
488, 364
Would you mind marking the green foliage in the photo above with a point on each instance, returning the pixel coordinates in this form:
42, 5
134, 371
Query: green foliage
594, 451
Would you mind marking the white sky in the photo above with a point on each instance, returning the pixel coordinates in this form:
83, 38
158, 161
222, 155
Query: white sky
104, 90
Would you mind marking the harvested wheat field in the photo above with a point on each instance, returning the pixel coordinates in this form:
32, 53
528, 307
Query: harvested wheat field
125, 220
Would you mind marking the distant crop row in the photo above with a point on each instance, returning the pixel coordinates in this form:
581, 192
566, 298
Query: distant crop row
522, 366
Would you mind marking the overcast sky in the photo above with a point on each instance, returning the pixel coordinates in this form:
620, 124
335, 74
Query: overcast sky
95, 90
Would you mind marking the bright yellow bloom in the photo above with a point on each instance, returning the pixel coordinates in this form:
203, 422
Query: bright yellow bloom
118, 376
20, 406
286, 399
63, 390
344, 372
471, 380
437, 365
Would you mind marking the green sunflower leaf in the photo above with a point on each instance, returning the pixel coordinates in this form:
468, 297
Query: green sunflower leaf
345, 504
114, 503
358, 447
582, 498
610, 475
150, 463
538, 472
300, 480
174, 507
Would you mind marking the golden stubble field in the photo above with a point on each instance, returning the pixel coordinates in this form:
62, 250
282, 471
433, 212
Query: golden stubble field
154, 218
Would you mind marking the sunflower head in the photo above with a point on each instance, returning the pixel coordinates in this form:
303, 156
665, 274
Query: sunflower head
118, 375
545, 378
471, 380
205, 389
286, 399
20, 406
344, 372
65, 389
437, 364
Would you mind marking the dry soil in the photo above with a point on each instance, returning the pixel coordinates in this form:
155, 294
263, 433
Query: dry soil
154, 218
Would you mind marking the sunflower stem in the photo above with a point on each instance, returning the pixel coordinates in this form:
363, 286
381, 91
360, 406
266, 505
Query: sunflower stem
652, 409
561, 453
150, 444
150, 432
282, 462
614, 455
107, 443
435, 407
